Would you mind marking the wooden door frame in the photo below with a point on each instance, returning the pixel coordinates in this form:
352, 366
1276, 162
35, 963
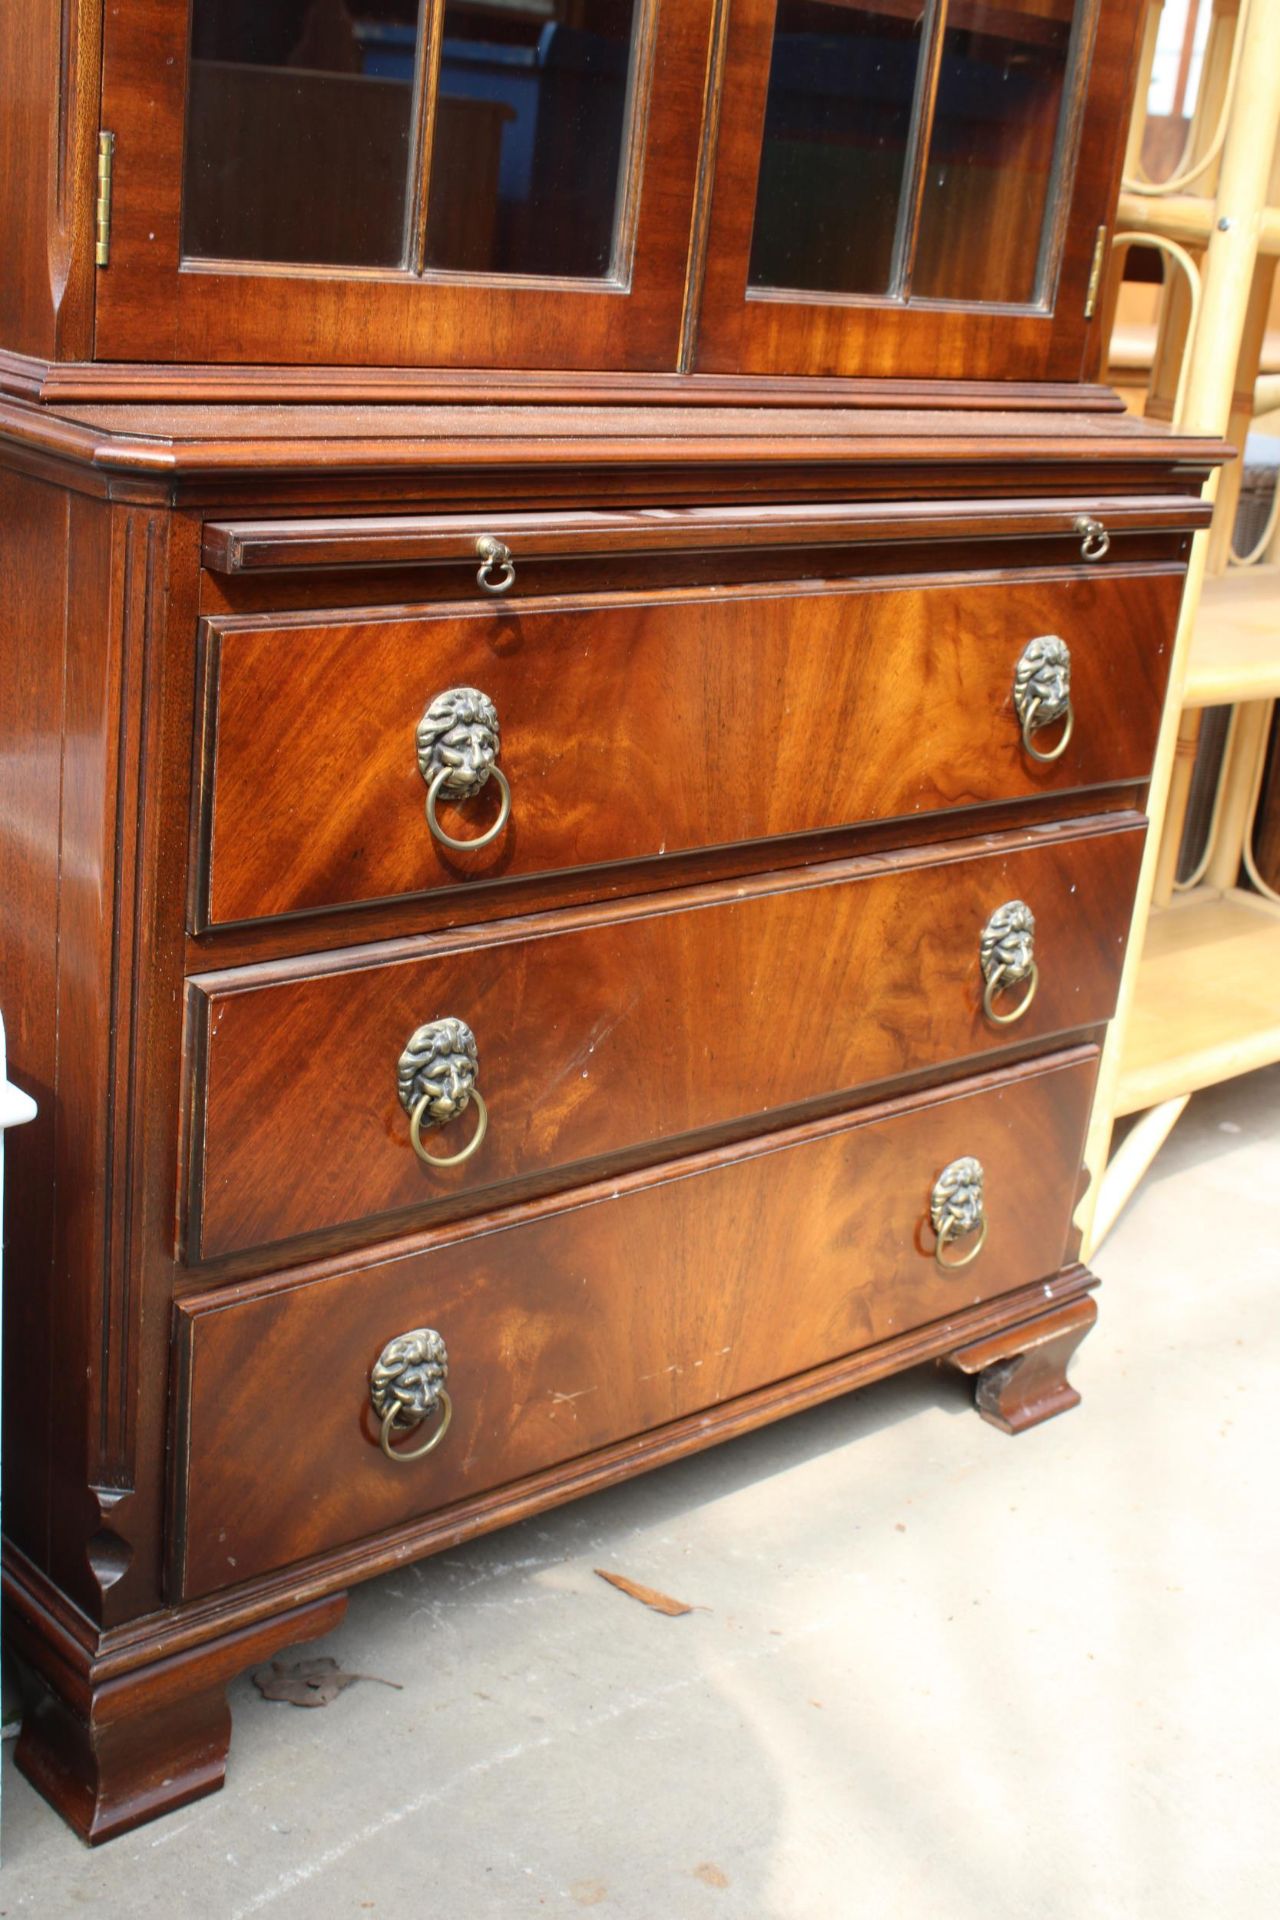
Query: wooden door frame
747, 332
151, 306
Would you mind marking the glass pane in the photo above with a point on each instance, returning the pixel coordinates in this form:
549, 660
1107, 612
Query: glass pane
1001, 91
836, 136
299, 130
531, 116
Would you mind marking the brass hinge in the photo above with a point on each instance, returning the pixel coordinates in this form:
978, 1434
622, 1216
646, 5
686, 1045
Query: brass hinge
1095, 273
102, 212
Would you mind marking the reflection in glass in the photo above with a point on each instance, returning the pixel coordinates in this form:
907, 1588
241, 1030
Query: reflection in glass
836, 138
531, 117
299, 130
990, 163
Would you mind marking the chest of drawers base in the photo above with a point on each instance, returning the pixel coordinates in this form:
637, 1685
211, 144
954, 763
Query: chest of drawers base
771, 1001
120, 1727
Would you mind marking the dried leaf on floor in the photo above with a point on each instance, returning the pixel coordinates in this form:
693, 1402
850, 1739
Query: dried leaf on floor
648, 1596
310, 1683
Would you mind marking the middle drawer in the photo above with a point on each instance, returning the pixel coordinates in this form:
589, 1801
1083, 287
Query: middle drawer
599, 1036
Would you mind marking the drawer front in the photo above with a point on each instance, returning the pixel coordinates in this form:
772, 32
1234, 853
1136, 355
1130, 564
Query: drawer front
656, 726
603, 1033
606, 1314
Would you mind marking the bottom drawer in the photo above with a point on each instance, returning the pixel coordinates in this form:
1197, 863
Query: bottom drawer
576, 1322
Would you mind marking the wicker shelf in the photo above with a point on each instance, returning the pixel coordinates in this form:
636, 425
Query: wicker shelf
1235, 643
1200, 996
1208, 1000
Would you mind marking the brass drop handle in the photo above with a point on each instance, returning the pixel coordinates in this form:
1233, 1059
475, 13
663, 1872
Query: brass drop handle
1042, 693
957, 1209
1008, 959
436, 1083
1095, 541
458, 742
407, 1390
497, 570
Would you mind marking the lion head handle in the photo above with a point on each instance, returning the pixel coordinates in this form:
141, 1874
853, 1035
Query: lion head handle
409, 1374
956, 1207
1042, 681
1007, 949
439, 1064
459, 736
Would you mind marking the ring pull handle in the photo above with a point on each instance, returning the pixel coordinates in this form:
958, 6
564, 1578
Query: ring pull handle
957, 1209
407, 1390
458, 742
1042, 693
436, 1083
1007, 955
497, 570
1095, 541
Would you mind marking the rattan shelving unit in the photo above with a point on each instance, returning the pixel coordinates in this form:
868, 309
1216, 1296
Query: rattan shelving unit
1200, 998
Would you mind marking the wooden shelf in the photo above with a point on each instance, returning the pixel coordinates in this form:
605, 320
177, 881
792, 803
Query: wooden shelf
1208, 1000
1235, 644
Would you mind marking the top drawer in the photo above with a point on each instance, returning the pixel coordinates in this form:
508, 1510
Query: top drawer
644, 725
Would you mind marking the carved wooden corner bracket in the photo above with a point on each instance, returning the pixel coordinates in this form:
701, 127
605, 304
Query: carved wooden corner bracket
1021, 1372
118, 1729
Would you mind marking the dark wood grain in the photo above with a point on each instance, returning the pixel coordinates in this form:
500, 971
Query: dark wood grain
84, 590
768, 331
77, 640
70, 1658
537, 1493
767, 786
34, 519
615, 1318
601, 1035
60, 382
266, 546
49, 55
266, 440
412, 590
410, 915
1021, 1372
112, 1748
649, 728
149, 308
597, 1321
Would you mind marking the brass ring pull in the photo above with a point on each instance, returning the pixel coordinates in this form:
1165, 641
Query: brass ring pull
457, 742
407, 1387
945, 1239
996, 985
448, 1159
1095, 541
481, 839
391, 1420
436, 1083
1006, 954
1042, 693
1029, 727
497, 571
957, 1208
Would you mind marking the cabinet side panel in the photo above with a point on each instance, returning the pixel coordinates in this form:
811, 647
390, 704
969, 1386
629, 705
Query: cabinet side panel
79, 582
33, 550
49, 56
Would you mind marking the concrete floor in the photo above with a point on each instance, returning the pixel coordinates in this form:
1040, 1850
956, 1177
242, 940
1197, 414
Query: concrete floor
940, 1673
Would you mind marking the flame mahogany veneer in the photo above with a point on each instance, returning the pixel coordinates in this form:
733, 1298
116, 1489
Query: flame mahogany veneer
776, 558
724, 978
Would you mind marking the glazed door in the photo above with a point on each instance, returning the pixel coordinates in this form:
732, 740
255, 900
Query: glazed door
401, 182
913, 187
